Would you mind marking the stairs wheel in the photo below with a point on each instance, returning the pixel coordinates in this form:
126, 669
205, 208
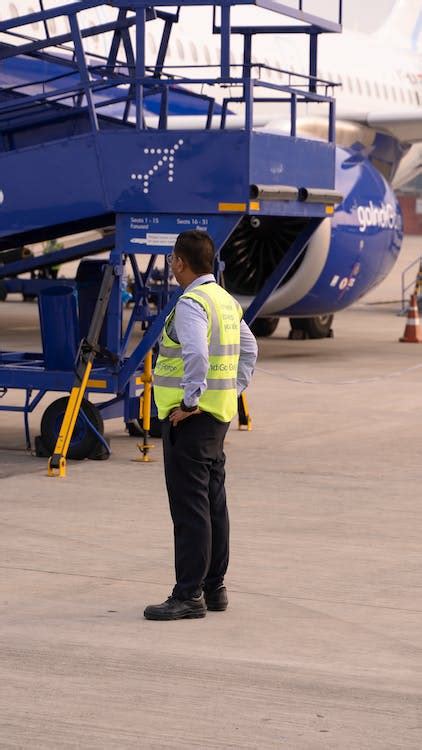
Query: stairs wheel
84, 441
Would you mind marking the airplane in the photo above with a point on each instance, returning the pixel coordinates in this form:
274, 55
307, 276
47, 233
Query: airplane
378, 149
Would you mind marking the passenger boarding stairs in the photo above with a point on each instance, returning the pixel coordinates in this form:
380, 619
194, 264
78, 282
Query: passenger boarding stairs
77, 146
87, 141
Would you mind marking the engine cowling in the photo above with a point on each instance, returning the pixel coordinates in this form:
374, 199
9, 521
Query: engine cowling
346, 256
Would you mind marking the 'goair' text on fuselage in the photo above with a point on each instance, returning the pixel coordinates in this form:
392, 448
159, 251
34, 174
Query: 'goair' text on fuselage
383, 216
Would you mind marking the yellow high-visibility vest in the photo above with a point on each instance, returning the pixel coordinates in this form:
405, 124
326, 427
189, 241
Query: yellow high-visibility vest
220, 397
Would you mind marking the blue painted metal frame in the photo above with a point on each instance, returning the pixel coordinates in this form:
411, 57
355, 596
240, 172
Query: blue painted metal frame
27, 409
118, 164
29, 405
148, 230
57, 257
33, 287
104, 186
139, 80
26, 370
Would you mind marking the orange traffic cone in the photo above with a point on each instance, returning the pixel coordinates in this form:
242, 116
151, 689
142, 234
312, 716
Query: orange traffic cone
412, 332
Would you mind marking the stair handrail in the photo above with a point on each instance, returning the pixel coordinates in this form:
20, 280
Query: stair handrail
405, 287
140, 85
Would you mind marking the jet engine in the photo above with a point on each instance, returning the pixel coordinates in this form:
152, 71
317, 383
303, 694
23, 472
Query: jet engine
345, 257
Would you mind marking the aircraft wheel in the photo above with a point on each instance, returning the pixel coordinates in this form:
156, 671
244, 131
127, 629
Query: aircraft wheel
262, 327
135, 428
3, 291
84, 441
314, 328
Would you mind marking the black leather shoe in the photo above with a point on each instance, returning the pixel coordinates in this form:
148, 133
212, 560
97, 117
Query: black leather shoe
217, 600
175, 609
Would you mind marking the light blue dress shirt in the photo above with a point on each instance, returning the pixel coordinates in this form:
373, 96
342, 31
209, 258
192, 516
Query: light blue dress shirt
189, 327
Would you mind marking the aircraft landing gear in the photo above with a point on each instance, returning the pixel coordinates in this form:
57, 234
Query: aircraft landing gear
312, 328
262, 327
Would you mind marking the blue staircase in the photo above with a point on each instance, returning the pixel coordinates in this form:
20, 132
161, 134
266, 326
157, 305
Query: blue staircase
88, 141
75, 146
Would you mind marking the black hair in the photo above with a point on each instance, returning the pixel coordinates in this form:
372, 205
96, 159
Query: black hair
197, 249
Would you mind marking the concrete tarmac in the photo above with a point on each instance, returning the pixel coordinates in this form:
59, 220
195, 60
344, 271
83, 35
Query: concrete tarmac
321, 645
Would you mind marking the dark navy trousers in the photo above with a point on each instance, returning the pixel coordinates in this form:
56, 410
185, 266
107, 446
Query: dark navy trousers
194, 469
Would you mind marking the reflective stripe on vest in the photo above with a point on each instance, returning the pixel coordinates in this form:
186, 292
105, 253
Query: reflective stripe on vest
223, 334
220, 350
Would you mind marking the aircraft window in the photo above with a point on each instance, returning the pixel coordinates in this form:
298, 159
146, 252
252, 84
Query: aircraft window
207, 55
13, 10
180, 49
52, 26
194, 52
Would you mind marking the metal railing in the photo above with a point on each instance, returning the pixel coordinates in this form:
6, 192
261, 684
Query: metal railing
104, 82
406, 286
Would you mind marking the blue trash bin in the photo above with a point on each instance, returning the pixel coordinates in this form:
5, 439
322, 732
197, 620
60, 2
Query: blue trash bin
59, 326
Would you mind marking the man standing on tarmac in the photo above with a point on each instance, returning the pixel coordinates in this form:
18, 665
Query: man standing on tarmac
207, 355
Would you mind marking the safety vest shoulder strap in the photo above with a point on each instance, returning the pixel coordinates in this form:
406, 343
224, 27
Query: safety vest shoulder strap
213, 299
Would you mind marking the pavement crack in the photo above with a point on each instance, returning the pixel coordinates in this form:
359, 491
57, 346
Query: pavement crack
270, 595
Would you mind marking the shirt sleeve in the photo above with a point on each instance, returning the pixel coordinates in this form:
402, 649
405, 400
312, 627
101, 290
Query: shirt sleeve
191, 325
247, 358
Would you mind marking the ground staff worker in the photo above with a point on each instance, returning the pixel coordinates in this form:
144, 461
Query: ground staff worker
207, 355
